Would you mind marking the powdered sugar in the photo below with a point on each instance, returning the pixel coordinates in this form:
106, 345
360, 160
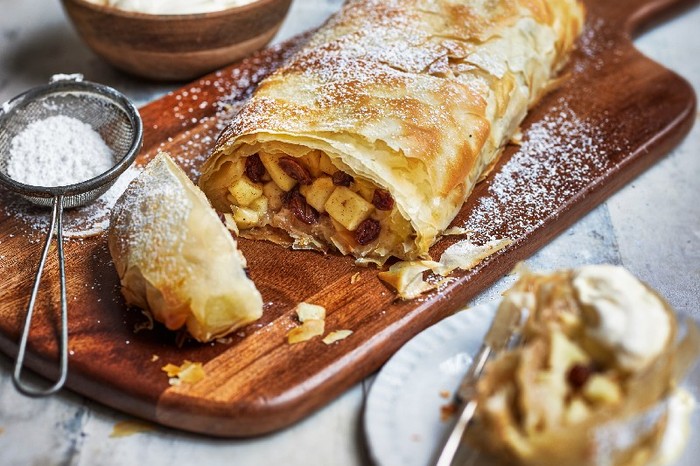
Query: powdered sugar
83, 222
58, 151
561, 154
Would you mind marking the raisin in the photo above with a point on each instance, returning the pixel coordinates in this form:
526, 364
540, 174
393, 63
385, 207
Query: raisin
342, 179
367, 231
295, 170
300, 208
382, 199
254, 168
578, 375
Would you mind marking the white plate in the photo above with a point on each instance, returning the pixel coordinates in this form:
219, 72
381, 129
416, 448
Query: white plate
402, 415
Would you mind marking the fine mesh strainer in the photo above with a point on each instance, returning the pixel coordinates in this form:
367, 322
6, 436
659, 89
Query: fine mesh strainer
118, 122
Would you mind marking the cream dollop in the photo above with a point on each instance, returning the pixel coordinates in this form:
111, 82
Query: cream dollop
172, 7
631, 320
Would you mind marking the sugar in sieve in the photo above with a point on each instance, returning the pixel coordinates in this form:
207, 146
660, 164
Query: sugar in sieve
118, 122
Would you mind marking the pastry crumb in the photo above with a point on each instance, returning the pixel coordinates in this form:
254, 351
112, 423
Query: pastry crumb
447, 411
154, 358
406, 277
306, 311
456, 231
309, 329
336, 336
131, 427
189, 372
355, 278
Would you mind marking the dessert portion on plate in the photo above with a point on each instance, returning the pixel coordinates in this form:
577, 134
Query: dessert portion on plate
369, 140
600, 356
176, 259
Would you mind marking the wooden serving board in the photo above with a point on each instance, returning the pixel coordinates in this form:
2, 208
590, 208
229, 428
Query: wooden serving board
615, 114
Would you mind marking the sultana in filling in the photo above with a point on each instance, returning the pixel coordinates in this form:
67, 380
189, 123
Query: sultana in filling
319, 206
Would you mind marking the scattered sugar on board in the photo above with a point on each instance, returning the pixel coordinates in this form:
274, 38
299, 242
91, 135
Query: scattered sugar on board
58, 151
82, 222
560, 155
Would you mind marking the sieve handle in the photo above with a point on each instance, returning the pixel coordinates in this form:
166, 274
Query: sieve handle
56, 224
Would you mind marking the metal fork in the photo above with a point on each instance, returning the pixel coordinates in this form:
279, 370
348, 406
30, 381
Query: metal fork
503, 332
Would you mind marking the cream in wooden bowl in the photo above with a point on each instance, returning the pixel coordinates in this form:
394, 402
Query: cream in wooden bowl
193, 38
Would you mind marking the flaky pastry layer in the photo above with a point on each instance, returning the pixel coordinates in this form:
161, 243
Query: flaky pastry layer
413, 97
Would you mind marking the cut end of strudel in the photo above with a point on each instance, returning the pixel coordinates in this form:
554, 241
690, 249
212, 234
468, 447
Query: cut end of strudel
176, 259
369, 140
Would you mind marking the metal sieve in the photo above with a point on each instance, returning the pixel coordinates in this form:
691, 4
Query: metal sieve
118, 122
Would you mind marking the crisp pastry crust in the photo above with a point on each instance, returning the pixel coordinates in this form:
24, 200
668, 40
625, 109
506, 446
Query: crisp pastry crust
413, 97
176, 259
569, 397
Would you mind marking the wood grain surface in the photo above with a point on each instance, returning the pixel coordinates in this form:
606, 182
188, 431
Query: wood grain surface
615, 114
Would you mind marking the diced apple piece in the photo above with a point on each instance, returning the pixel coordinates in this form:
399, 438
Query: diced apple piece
318, 192
260, 205
342, 238
246, 217
348, 208
313, 163
399, 225
244, 191
326, 165
577, 412
600, 389
365, 189
274, 195
569, 322
278, 175
563, 354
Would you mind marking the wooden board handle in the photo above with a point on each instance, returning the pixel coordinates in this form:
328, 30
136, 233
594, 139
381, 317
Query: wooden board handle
636, 16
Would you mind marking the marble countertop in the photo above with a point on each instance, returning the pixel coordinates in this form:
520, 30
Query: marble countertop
652, 227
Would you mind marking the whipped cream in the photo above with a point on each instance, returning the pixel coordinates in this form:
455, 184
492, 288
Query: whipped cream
172, 7
631, 320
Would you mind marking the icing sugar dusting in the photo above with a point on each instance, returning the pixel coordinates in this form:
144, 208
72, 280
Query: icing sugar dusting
81, 222
559, 157
144, 226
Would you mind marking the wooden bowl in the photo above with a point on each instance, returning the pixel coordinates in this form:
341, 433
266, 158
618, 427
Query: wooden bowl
176, 47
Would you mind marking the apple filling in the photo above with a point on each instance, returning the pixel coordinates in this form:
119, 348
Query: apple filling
319, 205
579, 375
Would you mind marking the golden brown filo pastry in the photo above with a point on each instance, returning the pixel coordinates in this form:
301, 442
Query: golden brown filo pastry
591, 382
372, 136
176, 259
